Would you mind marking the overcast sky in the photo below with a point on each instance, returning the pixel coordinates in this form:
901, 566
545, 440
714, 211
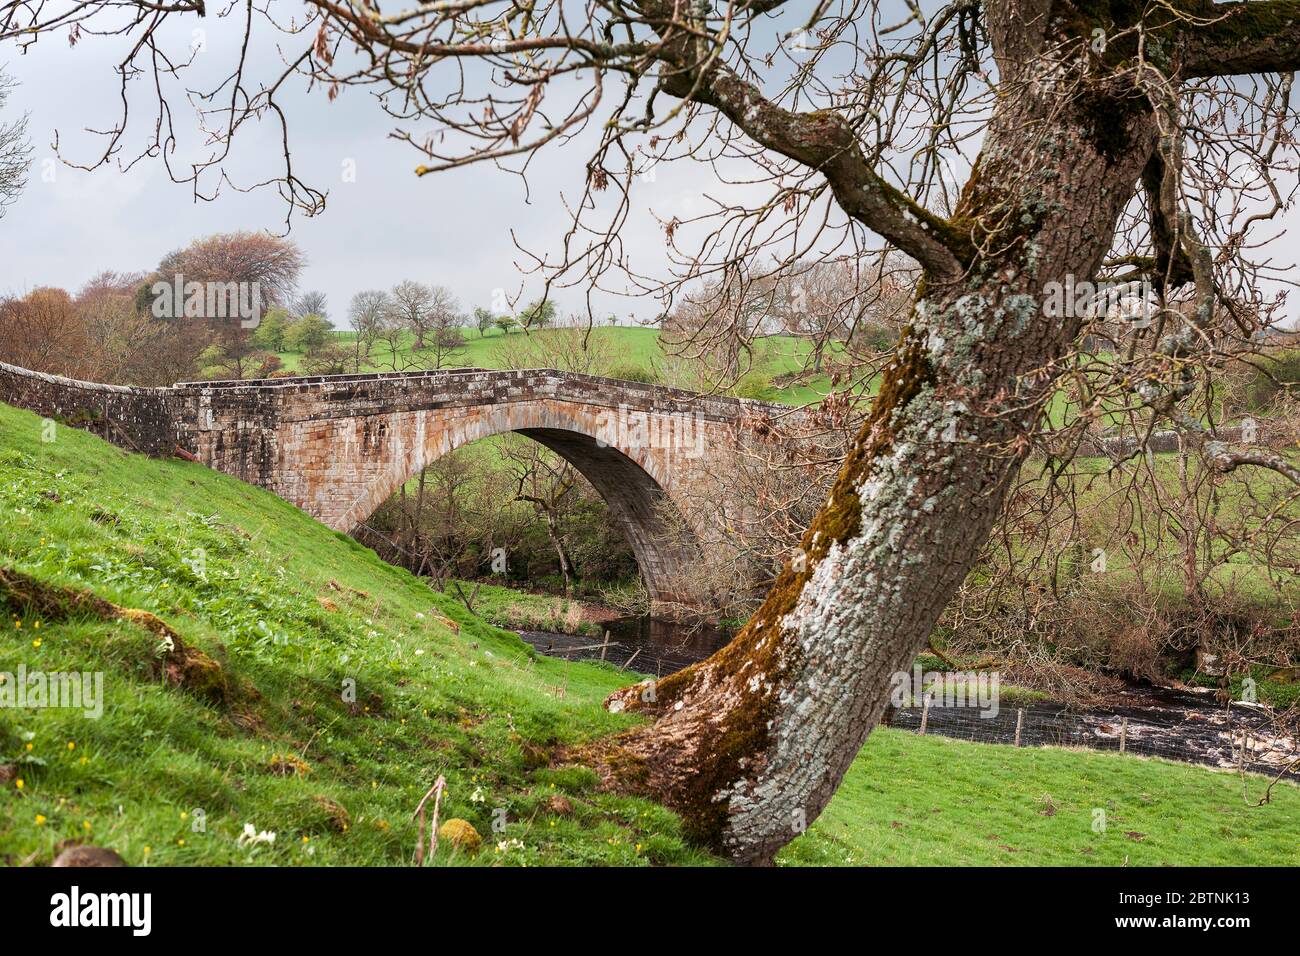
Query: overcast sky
451, 228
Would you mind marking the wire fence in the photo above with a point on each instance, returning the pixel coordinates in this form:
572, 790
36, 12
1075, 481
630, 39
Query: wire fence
1240, 737
1235, 736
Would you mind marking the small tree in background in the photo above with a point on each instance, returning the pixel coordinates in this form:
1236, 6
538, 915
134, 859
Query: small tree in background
15, 151
366, 314
271, 331
41, 331
484, 320
445, 343
445, 323
237, 357
538, 314
310, 303
411, 303
307, 334
332, 358
269, 263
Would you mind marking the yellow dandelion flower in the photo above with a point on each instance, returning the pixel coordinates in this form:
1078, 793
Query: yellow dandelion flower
40, 819
19, 783
36, 643
29, 746
85, 825
180, 842
72, 745
148, 850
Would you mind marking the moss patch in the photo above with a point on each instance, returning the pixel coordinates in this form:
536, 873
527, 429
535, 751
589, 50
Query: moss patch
177, 663
733, 748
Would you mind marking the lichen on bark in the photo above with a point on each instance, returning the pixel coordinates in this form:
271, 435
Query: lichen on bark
727, 745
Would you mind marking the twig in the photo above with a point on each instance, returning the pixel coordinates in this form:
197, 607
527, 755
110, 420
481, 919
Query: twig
436, 792
467, 601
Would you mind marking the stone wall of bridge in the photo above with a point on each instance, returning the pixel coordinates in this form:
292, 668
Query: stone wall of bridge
338, 446
140, 419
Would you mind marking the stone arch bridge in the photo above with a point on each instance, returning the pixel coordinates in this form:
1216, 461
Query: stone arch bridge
338, 446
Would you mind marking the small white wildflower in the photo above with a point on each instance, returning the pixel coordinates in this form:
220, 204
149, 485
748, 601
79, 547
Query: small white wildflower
251, 836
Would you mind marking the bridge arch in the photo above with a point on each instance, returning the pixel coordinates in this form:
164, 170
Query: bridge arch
632, 480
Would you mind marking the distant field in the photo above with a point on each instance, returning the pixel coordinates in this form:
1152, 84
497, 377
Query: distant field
636, 348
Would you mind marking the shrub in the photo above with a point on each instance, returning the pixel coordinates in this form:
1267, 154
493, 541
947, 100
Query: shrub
634, 373
754, 385
307, 334
1277, 372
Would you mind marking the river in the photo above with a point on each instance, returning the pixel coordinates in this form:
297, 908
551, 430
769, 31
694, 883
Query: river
1183, 725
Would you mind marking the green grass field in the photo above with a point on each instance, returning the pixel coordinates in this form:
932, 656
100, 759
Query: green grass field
626, 348
295, 615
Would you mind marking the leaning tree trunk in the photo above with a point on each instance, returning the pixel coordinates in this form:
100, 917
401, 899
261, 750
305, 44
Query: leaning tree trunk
750, 745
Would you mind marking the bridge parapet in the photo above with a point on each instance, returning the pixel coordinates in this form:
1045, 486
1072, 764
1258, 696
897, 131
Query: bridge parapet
140, 419
409, 391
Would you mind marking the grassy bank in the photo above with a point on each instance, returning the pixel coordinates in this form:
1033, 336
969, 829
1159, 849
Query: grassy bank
931, 801
349, 691
513, 609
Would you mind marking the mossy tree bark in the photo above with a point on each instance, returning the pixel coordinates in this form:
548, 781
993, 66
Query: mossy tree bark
750, 744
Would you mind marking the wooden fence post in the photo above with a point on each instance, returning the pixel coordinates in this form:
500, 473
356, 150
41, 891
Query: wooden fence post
1020, 720
925, 712
1123, 733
